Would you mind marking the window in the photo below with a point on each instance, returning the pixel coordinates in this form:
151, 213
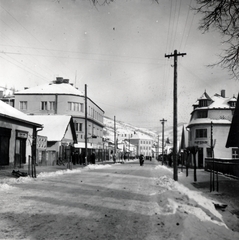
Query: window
201, 133
81, 107
202, 114
52, 105
78, 127
23, 105
44, 105
69, 106
235, 153
74, 106
232, 104
203, 103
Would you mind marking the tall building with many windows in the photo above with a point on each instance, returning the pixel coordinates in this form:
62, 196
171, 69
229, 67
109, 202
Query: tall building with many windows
209, 126
62, 98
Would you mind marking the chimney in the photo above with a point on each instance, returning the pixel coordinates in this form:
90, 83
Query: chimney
223, 93
65, 80
59, 80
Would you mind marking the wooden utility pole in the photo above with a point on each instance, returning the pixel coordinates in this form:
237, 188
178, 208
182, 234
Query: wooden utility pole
86, 134
115, 147
163, 121
175, 118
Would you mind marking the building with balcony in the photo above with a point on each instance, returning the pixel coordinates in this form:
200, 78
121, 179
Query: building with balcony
209, 126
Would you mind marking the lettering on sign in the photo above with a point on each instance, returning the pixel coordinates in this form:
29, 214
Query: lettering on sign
21, 134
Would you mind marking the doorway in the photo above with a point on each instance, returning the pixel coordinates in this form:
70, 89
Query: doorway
200, 157
20, 149
5, 135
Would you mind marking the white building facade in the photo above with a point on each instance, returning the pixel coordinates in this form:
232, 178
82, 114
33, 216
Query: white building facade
62, 98
209, 126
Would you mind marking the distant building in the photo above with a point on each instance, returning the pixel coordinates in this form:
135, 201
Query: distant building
143, 144
62, 98
209, 126
7, 96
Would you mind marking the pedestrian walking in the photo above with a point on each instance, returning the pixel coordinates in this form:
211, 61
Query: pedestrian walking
141, 159
114, 158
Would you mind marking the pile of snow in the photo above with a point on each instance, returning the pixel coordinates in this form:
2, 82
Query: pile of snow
205, 203
5, 187
98, 166
57, 173
163, 167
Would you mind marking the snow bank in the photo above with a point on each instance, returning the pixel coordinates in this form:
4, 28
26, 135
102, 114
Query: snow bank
57, 173
99, 166
5, 187
202, 201
164, 168
6, 181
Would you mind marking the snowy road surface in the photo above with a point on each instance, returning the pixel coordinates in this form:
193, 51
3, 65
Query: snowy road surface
121, 201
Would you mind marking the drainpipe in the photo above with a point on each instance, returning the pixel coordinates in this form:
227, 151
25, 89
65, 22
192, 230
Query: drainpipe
56, 101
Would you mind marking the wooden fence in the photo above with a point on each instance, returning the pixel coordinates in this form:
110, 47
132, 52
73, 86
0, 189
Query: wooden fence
226, 166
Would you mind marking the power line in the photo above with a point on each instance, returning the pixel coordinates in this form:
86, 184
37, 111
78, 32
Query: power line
67, 57
76, 52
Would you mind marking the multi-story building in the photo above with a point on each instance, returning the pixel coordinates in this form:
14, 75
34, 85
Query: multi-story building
62, 98
143, 144
209, 126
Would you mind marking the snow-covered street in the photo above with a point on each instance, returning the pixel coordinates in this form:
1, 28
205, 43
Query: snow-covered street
120, 201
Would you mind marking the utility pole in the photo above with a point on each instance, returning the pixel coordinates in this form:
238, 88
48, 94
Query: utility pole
115, 147
175, 118
163, 121
86, 134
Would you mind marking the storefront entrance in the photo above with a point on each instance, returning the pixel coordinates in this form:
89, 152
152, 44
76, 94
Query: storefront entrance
5, 135
20, 148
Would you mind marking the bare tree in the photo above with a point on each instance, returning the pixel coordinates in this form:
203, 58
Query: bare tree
223, 16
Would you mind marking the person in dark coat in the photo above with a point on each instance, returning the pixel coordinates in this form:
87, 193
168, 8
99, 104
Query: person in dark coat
141, 159
92, 158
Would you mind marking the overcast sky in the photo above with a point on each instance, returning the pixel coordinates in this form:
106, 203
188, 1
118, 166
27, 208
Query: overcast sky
118, 50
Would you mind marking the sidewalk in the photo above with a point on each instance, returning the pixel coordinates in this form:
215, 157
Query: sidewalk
228, 193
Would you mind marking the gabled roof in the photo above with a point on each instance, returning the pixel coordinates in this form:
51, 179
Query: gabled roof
205, 96
233, 99
233, 136
217, 102
54, 126
52, 88
10, 112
